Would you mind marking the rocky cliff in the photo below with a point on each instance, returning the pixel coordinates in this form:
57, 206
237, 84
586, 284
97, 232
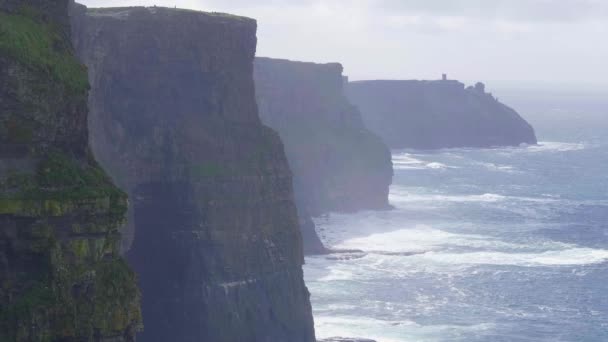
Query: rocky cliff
338, 164
61, 276
174, 120
438, 114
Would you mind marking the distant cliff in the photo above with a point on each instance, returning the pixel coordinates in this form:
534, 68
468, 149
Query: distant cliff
438, 114
338, 164
61, 276
174, 120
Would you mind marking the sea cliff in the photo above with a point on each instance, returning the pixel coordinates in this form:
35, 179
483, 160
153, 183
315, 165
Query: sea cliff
61, 274
338, 164
214, 228
438, 114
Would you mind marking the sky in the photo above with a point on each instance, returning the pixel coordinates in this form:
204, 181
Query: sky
558, 42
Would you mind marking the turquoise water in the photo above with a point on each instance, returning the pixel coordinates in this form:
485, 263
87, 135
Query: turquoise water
507, 244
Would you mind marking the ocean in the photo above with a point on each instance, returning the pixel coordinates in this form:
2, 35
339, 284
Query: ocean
502, 244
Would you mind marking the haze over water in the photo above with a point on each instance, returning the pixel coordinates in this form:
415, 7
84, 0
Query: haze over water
507, 244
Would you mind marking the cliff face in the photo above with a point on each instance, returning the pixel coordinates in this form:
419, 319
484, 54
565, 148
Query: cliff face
338, 164
438, 114
61, 276
174, 120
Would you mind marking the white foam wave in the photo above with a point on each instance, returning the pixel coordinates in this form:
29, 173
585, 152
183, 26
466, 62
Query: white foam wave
496, 167
423, 243
332, 326
553, 146
404, 196
391, 331
336, 274
544, 147
436, 165
420, 239
406, 161
566, 257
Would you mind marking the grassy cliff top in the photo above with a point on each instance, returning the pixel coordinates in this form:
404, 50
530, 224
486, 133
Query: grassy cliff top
125, 12
278, 62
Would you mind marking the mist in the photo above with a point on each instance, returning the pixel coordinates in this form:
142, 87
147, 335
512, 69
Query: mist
303, 171
557, 42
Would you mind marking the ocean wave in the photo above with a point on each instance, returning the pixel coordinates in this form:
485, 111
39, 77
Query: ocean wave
336, 274
566, 257
424, 243
406, 161
496, 167
331, 326
542, 147
554, 146
423, 239
447, 198
392, 331
406, 195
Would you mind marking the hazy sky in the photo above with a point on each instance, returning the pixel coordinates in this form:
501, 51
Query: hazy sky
557, 41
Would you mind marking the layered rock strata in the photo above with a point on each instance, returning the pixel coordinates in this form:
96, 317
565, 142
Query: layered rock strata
338, 164
174, 120
61, 274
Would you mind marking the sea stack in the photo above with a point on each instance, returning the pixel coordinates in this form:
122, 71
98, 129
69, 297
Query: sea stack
338, 164
215, 238
61, 274
438, 114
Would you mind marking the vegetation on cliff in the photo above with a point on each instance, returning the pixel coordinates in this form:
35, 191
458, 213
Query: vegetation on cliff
42, 46
61, 275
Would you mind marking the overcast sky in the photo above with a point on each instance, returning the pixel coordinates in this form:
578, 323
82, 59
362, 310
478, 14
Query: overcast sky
556, 41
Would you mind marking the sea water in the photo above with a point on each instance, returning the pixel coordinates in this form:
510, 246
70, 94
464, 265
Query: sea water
503, 244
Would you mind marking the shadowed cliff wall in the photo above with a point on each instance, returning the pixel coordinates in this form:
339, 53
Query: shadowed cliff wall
338, 164
174, 119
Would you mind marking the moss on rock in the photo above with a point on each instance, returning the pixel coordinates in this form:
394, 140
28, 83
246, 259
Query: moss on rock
61, 276
60, 185
34, 43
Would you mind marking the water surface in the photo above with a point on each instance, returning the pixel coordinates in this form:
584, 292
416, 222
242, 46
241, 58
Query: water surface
506, 244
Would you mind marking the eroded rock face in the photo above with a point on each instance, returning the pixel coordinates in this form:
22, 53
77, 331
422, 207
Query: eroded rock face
438, 114
174, 120
338, 164
61, 272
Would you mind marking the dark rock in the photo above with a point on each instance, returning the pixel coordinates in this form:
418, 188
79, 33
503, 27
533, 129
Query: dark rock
338, 164
174, 120
438, 114
312, 244
61, 272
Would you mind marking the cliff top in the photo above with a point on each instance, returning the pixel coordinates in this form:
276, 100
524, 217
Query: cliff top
126, 12
286, 63
409, 82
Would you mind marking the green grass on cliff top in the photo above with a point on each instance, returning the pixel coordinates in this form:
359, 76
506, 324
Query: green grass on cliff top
41, 46
122, 10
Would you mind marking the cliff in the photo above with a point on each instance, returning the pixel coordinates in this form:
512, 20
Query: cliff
338, 164
174, 120
438, 114
61, 276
